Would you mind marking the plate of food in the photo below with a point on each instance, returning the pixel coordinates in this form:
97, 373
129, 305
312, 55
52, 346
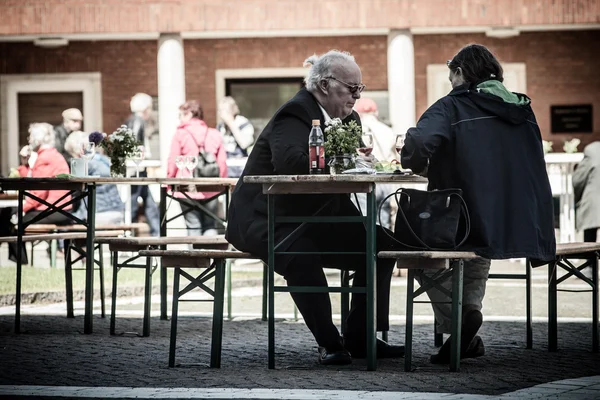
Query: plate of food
390, 168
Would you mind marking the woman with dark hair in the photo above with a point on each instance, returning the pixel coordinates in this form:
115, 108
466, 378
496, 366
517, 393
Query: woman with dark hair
192, 135
485, 140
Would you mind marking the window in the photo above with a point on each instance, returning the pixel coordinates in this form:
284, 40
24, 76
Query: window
259, 98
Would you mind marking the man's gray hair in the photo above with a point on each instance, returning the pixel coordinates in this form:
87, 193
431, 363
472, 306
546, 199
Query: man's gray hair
42, 133
140, 102
322, 66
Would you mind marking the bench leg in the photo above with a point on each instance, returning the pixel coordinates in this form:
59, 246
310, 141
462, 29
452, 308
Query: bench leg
174, 311
113, 303
163, 271
552, 304
53, 250
594, 266
228, 285
457, 289
32, 248
217, 328
410, 288
147, 297
101, 276
529, 337
265, 293
69, 279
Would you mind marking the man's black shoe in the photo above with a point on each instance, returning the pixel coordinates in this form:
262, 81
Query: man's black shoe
384, 350
339, 357
470, 346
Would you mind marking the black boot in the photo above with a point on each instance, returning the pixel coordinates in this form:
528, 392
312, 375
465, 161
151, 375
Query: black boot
471, 346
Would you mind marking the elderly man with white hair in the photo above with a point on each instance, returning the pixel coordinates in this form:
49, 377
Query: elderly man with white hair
333, 85
141, 111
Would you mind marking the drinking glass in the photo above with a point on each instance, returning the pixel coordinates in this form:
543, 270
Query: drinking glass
88, 149
180, 164
399, 142
367, 141
190, 163
137, 157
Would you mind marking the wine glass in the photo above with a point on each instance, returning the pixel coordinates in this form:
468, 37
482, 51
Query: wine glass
88, 149
367, 144
137, 157
180, 164
399, 143
190, 163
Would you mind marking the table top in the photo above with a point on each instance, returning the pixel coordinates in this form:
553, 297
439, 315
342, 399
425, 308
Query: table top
343, 178
72, 181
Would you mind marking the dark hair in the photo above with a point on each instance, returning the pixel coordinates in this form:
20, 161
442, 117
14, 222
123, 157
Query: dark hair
194, 107
477, 64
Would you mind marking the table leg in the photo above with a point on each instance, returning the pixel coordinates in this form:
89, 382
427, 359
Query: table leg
371, 287
163, 271
552, 312
89, 261
457, 289
271, 266
20, 230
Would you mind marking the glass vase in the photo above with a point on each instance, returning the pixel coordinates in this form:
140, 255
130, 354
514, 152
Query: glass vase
341, 163
118, 168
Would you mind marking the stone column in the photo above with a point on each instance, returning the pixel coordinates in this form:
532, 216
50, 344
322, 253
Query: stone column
171, 89
401, 80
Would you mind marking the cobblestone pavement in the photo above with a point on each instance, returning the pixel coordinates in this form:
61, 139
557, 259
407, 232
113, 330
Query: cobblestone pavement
52, 351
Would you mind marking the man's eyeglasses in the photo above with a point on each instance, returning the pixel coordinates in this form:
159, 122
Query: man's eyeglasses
352, 88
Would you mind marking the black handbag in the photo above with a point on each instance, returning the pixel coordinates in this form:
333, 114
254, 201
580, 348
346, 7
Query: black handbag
207, 162
430, 220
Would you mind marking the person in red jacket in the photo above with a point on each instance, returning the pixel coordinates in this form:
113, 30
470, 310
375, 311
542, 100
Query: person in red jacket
192, 135
49, 163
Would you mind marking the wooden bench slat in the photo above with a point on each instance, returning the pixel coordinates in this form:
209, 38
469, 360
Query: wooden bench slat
198, 253
157, 241
465, 255
58, 235
576, 248
46, 228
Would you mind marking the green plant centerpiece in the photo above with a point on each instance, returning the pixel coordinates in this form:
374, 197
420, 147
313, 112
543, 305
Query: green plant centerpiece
341, 142
118, 146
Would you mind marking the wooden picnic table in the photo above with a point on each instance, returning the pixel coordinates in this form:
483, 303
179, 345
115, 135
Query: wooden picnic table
328, 184
85, 188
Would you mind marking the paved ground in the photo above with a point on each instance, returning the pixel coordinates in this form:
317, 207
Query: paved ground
53, 352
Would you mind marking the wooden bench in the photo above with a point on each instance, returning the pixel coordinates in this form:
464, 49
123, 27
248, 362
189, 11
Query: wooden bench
212, 264
135, 244
69, 237
135, 228
573, 258
413, 261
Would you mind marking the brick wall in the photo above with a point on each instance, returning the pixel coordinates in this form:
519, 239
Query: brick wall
24, 17
203, 57
562, 68
126, 68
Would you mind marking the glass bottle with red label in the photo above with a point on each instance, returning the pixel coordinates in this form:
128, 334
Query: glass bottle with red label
316, 151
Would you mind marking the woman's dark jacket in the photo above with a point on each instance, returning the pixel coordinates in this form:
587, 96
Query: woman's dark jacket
492, 150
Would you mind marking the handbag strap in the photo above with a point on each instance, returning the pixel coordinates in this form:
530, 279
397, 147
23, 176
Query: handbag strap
463, 210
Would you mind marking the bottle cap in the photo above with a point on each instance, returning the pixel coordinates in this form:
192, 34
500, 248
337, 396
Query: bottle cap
316, 122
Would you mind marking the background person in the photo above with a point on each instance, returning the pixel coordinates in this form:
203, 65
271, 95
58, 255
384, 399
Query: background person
109, 207
238, 135
485, 140
191, 135
141, 111
72, 121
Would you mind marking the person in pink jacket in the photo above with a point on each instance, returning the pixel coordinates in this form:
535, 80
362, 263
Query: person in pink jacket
193, 134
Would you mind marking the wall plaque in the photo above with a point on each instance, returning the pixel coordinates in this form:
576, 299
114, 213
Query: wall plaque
571, 118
